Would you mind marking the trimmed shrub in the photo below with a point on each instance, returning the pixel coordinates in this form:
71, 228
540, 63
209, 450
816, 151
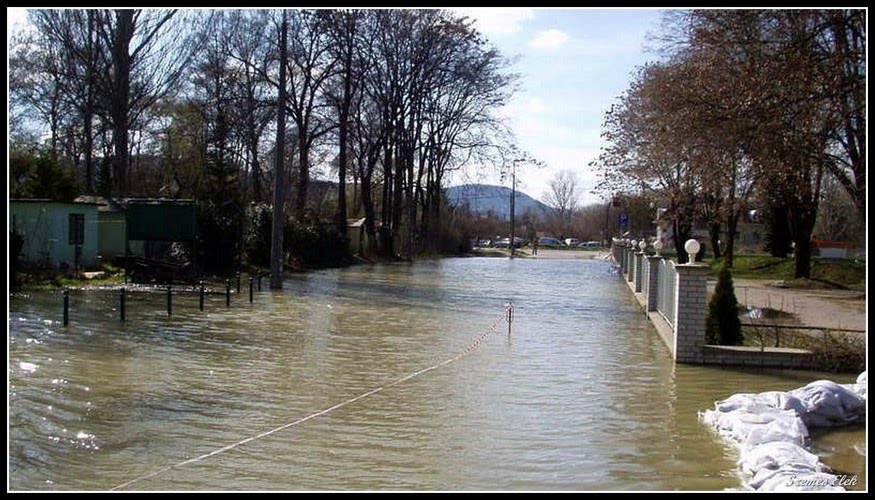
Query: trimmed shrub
723, 325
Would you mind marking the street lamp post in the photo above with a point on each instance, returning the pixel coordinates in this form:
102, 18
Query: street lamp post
512, 204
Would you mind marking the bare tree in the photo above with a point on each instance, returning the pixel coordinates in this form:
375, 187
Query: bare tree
147, 56
251, 49
309, 67
344, 29
562, 197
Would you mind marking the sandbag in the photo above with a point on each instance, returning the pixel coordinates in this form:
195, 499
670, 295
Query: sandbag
771, 429
829, 404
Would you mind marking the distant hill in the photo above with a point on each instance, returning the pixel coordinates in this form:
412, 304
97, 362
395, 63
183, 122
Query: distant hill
483, 198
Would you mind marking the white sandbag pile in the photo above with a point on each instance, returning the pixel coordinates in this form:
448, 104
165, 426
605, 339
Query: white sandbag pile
772, 430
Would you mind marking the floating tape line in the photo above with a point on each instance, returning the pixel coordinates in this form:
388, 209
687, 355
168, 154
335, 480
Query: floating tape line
468, 350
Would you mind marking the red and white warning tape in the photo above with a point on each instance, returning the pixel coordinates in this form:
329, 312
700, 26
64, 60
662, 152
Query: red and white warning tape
507, 316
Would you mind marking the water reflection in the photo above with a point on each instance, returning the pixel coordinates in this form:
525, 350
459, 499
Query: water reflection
582, 395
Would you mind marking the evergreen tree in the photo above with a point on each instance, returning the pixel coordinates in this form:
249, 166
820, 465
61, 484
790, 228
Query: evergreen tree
723, 326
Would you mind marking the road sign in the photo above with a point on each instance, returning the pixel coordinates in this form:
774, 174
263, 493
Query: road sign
624, 220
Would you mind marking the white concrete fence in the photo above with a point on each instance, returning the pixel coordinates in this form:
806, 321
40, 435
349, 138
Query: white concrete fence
674, 297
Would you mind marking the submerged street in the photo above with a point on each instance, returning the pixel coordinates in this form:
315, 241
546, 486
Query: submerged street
581, 395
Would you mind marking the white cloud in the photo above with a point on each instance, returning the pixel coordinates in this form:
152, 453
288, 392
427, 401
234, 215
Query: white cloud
498, 21
550, 39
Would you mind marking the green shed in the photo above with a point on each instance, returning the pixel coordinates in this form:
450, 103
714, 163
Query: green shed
110, 225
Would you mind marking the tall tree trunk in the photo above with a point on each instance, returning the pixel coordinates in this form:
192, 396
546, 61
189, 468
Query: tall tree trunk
714, 236
370, 216
257, 188
343, 134
681, 235
278, 223
802, 213
731, 232
397, 197
304, 173
342, 160
252, 141
386, 243
121, 62
411, 204
88, 110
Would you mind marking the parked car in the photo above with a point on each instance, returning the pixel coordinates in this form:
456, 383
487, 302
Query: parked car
548, 241
572, 242
481, 242
505, 242
590, 244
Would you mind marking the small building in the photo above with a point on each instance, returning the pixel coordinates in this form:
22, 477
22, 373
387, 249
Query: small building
110, 225
56, 234
358, 238
831, 249
749, 232
153, 221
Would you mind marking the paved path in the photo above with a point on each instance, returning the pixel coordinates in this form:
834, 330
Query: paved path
821, 308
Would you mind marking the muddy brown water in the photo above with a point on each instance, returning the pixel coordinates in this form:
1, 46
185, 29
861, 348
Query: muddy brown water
582, 395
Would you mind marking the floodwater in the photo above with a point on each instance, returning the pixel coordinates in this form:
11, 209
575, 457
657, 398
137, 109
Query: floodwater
582, 395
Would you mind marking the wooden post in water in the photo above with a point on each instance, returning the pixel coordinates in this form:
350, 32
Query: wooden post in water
227, 293
121, 304
66, 307
169, 300
250, 289
201, 302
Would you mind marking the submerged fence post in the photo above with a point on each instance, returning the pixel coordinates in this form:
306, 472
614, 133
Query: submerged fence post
201, 302
66, 307
169, 300
509, 314
227, 293
121, 304
238, 281
250, 289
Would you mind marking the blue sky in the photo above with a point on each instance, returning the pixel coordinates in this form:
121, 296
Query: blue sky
573, 63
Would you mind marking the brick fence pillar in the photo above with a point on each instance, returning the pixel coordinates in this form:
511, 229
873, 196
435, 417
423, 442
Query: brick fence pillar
624, 259
691, 312
652, 281
639, 270
631, 277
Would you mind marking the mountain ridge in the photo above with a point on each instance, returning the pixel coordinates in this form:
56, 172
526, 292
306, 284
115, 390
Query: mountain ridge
483, 198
